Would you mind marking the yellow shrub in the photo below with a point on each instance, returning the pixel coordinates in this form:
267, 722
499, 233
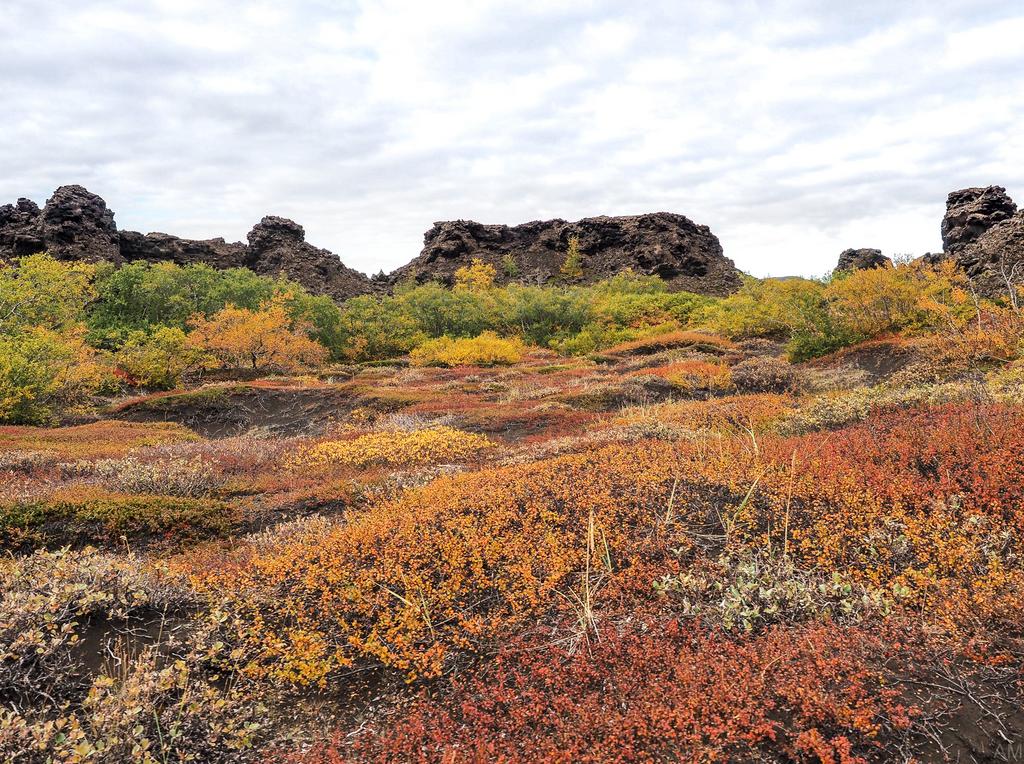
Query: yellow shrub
478, 276
488, 349
397, 448
45, 375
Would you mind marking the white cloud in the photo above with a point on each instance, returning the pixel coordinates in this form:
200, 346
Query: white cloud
793, 128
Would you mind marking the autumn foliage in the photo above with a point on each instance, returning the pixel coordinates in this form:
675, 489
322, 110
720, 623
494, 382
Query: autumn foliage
265, 339
562, 523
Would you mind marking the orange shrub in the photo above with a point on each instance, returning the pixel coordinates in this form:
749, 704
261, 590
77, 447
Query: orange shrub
695, 375
256, 339
916, 508
728, 415
444, 568
664, 692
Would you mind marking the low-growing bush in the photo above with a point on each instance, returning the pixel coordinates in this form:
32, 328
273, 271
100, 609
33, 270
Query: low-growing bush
96, 516
396, 448
660, 692
754, 590
486, 349
727, 415
441, 570
764, 375
148, 703
692, 375
45, 596
109, 438
702, 341
26, 461
173, 477
839, 408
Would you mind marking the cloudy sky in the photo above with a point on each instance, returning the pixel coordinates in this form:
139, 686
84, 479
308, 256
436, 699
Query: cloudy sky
794, 129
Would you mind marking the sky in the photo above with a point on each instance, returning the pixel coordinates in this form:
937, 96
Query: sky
793, 129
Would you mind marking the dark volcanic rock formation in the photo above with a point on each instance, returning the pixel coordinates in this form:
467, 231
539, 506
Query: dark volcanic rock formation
278, 246
686, 255
160, 247
76, 225
983, 231
971, 212
19, 229
862, 259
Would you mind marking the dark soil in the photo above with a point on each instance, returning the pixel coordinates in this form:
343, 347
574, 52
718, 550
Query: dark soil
220, 412
880, 359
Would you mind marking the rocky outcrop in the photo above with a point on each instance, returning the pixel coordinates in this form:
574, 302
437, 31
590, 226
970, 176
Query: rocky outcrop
19, 229
76, 225
278, 246
161, 247
862, 259
971, 212
983, 232
686, 255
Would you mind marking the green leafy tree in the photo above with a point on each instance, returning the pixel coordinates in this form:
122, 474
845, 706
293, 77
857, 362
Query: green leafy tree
572, 268
510, 266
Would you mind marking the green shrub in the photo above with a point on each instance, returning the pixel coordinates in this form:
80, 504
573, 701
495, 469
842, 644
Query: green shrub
38, 291
143, 297
99, 516
572, 268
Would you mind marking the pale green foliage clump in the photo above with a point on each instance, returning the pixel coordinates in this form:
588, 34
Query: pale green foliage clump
192, 478
836, 409
752, 591
510, 266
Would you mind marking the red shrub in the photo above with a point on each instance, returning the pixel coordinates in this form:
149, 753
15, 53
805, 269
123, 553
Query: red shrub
661, 693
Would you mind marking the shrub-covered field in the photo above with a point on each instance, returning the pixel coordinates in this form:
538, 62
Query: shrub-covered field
605, 523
